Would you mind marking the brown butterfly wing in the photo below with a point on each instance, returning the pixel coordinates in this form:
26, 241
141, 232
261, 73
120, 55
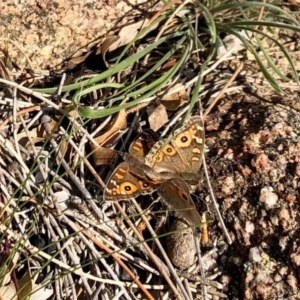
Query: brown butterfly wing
124, 184
183, 153
141, 146
128, 179
175, 194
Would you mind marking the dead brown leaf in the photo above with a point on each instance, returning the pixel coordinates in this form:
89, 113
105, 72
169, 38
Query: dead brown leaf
119, 123
112, 42
125, 36
158, 117
103, 156
128, 33
66, 151
26, 285
173, 100
80, 59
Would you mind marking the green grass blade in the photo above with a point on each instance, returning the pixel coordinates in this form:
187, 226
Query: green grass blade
117, 68
159, 83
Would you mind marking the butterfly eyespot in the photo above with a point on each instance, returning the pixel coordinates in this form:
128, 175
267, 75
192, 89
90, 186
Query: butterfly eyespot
184, 139
144, 185
128, 187
169, 150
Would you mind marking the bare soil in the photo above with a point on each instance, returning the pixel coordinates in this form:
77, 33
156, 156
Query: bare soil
254, 151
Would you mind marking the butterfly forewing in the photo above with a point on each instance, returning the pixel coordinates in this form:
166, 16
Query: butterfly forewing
125, 183
183, 153
142, 145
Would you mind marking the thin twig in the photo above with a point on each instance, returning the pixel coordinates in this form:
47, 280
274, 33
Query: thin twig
147, 248
202, 272
117, 258
24, 241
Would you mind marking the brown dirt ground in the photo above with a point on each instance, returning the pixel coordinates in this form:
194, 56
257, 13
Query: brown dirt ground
254, 152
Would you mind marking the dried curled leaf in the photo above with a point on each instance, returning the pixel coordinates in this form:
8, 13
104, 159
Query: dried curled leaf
158, 117
111, 42
119, 123
175, 99
102, 156
125, 36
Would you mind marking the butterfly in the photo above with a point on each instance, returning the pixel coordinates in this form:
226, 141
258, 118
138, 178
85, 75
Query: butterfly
164, 165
